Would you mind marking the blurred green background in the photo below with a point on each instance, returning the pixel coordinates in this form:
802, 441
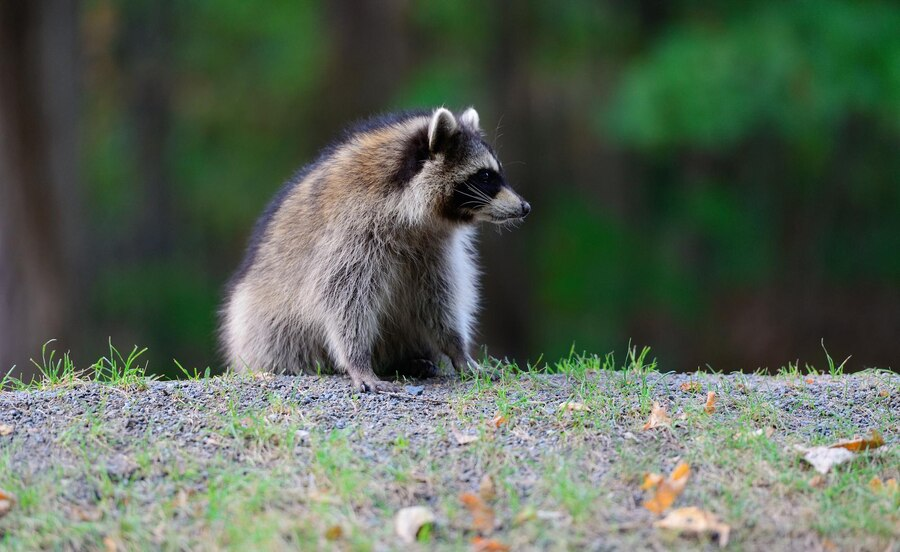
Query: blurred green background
720, 181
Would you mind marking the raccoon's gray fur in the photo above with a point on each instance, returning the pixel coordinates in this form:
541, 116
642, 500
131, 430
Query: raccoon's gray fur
364, 262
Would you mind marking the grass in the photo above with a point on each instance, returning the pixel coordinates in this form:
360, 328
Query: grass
241, 463
55, 371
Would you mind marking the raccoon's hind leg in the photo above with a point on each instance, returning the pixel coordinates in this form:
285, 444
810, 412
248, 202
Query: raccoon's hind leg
351, 333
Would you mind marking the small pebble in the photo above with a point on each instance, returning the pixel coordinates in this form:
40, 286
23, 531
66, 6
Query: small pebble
415, 390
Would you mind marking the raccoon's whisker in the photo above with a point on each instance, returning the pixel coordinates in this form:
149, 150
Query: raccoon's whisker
481, 197
479, 193
470, 195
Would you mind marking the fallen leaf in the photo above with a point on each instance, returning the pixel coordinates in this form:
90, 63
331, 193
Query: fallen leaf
668, 489
550, 515
694, 521
486, 489
810, 380
482, 514
110, 544
876, 484
334, 533
822, 459
86, 514
874, 440
498, 420
527, 514
692, 387
879, 486
480, 544
572, 406
6, 429
884, 393
322, 497
658, 417
463, 438
817, 481
409, 521
7, 501
651, 480
710, 402
768, 432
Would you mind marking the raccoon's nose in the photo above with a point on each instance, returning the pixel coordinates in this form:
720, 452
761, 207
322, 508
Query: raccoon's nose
526, 208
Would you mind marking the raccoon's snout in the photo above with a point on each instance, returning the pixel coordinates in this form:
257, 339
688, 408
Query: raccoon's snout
526, 208
508, 205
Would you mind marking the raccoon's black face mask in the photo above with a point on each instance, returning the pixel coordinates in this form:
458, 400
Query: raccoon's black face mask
485, 196
478, 188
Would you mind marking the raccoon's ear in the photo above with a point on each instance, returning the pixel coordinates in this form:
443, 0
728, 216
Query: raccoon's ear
470, 119
441, 129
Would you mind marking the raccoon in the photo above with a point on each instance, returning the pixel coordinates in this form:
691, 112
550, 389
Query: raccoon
364, 262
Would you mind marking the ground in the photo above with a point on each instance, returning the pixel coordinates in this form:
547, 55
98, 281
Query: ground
259, 463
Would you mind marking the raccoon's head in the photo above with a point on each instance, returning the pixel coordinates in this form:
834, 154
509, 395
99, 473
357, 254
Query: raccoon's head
462, 176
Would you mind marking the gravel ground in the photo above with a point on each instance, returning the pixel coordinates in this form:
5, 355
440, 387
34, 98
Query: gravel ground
90, 440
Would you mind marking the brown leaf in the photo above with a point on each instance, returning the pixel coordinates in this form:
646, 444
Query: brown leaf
109, 544
6, 429
572, 406
498, 420
527, 514
7, 501
810, 380
463, 438
884, 393
334, 532
668, 489
710, 402
817, 481
822, 459
482, 514
486, 489
694, 521
874, 440
409, 521
692, 387
480, 544
658, 417
651, 480
89, 513
878, 486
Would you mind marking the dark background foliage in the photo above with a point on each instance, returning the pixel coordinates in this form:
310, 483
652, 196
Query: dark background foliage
720, 180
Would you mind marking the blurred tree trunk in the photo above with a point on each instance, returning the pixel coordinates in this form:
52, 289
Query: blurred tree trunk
38, 175
146, 63
505, 324
370, 60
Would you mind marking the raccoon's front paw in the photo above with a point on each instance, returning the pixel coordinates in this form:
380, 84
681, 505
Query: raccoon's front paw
371, 384
422, 368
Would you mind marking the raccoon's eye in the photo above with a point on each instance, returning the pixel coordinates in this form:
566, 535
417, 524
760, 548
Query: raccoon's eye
484, 175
